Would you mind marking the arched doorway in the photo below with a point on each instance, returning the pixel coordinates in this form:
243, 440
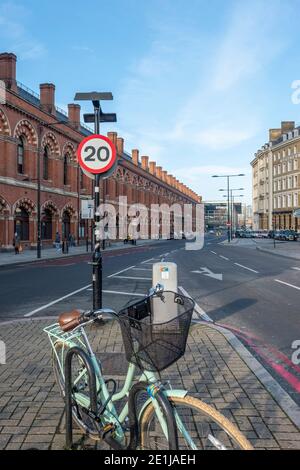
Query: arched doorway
46, 225
21, 225
66, 225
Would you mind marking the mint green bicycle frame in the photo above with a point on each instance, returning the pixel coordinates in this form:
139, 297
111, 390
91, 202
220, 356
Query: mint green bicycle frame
78, 337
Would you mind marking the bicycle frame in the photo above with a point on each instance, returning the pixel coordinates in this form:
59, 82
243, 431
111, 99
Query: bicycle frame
78, 337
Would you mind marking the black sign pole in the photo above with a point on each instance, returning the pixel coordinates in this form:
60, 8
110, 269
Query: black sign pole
97, 255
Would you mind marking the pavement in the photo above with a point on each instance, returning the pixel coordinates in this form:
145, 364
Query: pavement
252, 294
28, 256
31, 409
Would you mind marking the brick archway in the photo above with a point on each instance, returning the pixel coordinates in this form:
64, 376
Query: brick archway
4, 124
50, 141
24, 127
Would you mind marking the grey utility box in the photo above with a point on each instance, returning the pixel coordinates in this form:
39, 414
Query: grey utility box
165, 274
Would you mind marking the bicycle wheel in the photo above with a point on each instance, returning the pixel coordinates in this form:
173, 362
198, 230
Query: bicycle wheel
200, 427
80, 381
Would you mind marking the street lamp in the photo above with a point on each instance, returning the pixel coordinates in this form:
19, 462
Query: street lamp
232, 207
228, 206
232, 196
97, 117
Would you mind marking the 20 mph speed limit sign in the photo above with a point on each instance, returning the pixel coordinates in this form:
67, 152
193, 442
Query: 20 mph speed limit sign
96, 154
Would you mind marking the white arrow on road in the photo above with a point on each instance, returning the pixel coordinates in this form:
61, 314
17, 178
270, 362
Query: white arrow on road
209, 273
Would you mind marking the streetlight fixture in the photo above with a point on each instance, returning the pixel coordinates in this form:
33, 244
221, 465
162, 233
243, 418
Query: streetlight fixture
228, 203
97, 117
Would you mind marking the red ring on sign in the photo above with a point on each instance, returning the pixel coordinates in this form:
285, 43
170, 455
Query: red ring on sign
113, 151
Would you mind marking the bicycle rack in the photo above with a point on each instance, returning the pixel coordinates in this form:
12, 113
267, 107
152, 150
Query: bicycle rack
68, 389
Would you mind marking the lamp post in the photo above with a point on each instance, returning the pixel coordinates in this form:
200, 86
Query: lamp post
97, 117
228, 202
233, 209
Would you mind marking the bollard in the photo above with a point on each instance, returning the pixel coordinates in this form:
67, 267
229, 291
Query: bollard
166, 274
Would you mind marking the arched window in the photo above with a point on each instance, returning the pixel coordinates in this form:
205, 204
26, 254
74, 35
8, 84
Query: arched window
65, 169
46, 163
66, 225
22, 223
46, 225
20, 155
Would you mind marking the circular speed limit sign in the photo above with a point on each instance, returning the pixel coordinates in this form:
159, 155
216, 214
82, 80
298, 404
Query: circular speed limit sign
96, 154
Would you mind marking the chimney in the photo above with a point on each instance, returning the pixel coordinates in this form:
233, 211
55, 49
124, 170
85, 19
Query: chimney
113, 137
135, 156
145, 163
152, 166
8, 70
159, 172
74, 115
120, 145
274, 134
287, 126
47, 97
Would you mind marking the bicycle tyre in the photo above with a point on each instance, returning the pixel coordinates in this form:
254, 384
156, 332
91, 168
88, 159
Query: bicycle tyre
191, 403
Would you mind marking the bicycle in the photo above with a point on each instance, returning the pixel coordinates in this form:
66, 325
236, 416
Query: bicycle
152, 416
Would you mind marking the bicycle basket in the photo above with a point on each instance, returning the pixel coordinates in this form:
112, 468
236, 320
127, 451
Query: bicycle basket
155, 330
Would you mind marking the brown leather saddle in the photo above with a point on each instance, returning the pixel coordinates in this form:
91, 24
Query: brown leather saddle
69, 320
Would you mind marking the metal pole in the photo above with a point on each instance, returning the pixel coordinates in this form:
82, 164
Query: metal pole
38, 246
97, 256
228, 211
232, 214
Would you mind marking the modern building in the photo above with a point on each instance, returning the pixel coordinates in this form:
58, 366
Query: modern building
275, 179
216, 214
34, 131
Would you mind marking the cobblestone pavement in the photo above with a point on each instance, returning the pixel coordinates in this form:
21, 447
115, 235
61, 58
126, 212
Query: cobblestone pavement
31, 409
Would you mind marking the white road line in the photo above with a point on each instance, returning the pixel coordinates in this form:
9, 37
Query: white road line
297, 269
142, 269
213, 252
287, 284
197, 308
43, 307
224, 257
133, 277
123, 293
119, 272
147, 260
245, 267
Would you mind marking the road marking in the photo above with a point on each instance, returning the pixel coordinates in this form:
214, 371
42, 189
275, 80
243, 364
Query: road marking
213, 252
287, 284
297, 269
209, 273
43, 307
245, 267
197, 308
123, 293
224, 257
147, 260
119, 272
142, 269
133, 277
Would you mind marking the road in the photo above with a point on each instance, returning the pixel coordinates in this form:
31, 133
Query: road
254, 294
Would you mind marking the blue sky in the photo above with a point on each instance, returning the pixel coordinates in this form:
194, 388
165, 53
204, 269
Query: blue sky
196, 84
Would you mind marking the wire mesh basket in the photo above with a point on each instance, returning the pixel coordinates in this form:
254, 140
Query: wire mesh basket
155, 330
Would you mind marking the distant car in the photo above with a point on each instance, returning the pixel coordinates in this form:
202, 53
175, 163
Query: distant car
211, 231
271, 233
288, 235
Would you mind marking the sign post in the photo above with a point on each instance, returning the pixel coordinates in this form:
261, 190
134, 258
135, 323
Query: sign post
97, 155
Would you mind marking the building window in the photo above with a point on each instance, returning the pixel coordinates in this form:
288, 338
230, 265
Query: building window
65, 173
295, 200
295, 181
46, 163
22, 224
66, 225
81, 186
20, 155
46, 225
295, 164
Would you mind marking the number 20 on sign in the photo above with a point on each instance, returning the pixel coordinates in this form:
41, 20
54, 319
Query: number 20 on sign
96, 154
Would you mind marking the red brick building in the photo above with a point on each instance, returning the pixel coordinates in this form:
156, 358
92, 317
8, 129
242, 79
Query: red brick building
28, 122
